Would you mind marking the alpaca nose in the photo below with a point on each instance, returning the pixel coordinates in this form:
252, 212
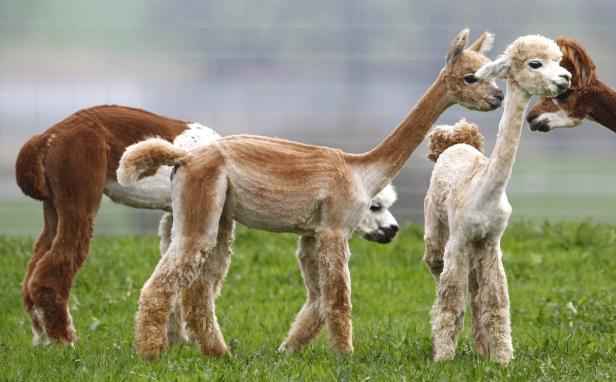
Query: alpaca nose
531, 116
394, 227
498, 94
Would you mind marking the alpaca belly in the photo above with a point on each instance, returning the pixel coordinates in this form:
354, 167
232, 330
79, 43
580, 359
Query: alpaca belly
151, 193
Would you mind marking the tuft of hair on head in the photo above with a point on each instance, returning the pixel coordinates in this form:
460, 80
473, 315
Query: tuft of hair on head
443, 137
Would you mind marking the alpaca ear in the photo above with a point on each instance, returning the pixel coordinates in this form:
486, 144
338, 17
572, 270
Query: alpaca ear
457, 47
498, 68
583, 67
483, 44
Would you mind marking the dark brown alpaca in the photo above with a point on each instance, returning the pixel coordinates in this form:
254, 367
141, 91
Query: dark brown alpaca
588, 97
68, 168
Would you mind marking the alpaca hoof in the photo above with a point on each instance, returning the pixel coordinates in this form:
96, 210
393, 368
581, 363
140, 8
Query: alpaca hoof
287, 348
344, 350
217, 352
151, 351
444, 356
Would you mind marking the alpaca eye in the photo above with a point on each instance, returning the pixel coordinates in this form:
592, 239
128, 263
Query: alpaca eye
375, 207
470, 79
535, 64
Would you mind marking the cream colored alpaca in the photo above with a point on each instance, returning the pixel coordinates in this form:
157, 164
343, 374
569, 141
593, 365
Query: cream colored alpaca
466, 209
276, 185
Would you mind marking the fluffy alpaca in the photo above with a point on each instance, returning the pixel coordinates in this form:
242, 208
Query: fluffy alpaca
276, 185
587, 97
466, 209
70, 166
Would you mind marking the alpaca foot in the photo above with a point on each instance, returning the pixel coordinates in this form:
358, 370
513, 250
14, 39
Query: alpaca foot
219, 350
502, 354
289, 347
151, 347
442, 355
151, 340
47, 332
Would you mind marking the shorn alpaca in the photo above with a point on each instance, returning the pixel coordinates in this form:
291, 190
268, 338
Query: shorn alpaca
466, 209
70, 166
587, 97
276, 185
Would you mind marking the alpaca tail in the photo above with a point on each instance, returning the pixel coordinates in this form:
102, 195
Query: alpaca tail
30, 169
143, 159
445, 136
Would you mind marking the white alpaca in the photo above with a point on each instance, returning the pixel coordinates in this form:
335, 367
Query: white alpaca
466, 209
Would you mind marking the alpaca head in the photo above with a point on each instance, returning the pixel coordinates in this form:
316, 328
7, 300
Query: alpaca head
463, 87
571, 107
378, 223
532, 64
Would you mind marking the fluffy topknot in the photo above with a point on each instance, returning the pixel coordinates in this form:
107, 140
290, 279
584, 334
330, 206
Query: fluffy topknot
444, 136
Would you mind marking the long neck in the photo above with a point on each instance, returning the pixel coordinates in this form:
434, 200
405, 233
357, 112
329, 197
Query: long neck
604, 105
381, 164
502, 158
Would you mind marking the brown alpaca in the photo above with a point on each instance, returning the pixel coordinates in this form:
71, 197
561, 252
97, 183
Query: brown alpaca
588, 97
445, 136
68, 168
276, 185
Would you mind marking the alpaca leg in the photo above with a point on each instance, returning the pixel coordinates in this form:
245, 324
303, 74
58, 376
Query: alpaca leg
176, 328
309, 322
197, 207
164, 232
335, 285
42, 245
479, 334
199, 299
52, 280
494, 305
448, 309
77, 178
435, 238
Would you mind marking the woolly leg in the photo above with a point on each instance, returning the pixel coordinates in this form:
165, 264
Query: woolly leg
309, 322
164, 232
494, 302
42, 245
448, 309
435, 238
479, 334
199, 299
52, 280
335, 285
197, 207
176, 327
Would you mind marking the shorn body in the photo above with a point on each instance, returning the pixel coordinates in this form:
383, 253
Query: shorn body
466, 208
317, 192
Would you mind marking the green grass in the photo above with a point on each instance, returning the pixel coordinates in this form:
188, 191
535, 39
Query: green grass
548, 266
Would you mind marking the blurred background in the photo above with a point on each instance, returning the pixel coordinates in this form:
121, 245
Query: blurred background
338, 73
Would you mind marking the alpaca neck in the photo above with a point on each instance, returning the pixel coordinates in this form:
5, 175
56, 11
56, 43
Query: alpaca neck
502, 158
604, 106
381, 164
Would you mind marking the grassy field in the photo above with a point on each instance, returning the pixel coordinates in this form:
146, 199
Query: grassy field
562, 280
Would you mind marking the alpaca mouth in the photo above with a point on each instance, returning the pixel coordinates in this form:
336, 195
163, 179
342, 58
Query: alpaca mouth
380, 236
541, 126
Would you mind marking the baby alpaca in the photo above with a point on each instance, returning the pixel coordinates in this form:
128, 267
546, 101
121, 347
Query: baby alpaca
276, 185
466, 209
